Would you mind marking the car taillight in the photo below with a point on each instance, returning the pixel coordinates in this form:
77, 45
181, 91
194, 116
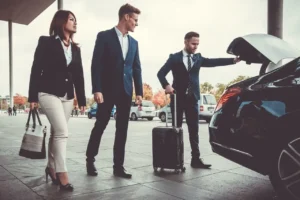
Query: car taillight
140, 108
201, 108
231, 92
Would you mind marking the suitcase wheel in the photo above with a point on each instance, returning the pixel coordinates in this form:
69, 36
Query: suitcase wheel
178, 170
155, 169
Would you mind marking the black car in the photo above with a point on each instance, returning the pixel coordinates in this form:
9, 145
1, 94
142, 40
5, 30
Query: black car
257, 121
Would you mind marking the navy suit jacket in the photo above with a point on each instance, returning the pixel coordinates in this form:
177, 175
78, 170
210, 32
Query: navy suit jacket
181, 74
111, 74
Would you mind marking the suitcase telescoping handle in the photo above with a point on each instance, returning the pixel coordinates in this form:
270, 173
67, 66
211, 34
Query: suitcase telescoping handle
175, 110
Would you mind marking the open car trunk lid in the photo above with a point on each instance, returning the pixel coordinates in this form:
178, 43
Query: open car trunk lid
262, 48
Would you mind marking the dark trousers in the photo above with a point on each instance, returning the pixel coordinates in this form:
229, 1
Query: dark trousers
123, 104
189, 105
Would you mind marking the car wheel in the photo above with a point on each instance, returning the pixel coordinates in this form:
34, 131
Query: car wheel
89, 116
163, 117
133, 117
285, 176
150, 118
115, 116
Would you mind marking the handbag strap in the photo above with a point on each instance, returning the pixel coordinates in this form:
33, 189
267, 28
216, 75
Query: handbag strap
28, 120
34, 113
33, 118
38, 117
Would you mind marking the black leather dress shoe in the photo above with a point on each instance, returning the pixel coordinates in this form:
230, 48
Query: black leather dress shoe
198, 163
91, 169
121, 172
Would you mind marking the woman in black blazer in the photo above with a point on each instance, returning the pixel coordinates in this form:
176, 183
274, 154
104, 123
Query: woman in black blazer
56, 71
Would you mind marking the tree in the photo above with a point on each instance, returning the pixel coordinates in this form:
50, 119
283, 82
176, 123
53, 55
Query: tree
206, 87
238, 79
147, 92
159, 98
89, 102
221, 87
19, 100
219, 91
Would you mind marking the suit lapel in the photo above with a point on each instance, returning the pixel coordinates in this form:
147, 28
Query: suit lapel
195, 60
129, 47
117, 41
180, 60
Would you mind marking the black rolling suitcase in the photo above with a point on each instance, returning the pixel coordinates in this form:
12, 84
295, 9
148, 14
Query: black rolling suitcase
167, 146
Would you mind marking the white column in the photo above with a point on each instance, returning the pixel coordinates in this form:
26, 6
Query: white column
60, 4
275, 12
10, 47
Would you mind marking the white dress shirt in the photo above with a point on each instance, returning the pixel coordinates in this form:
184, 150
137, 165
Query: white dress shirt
68, 55
185, 59
67, 50
123, 42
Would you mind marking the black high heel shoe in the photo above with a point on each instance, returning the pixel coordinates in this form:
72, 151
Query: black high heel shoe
48, 173
67, 187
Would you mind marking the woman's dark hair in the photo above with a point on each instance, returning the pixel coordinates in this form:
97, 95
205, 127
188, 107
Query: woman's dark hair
58, 22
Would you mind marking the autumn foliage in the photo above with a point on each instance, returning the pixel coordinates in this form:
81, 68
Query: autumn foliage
147, 92
19, 99
159, 98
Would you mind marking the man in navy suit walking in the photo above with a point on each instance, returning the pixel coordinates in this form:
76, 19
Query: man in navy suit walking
185, 66
115, 63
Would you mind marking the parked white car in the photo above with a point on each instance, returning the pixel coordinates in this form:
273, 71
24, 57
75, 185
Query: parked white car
207, 105
145, 110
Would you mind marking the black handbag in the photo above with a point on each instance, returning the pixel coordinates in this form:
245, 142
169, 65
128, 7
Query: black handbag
33, 143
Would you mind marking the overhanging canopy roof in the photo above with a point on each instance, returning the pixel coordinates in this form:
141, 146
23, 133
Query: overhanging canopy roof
22, 11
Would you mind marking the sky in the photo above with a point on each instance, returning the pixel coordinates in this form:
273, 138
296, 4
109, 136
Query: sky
162, 26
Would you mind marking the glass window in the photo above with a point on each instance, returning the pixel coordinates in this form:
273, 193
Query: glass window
273, 66
209, 100
147, 104
94, 106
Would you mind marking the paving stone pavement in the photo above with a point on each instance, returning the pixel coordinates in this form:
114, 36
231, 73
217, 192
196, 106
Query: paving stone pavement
22, 178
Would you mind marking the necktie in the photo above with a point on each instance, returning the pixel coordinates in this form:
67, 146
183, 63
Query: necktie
189, 62
189, 89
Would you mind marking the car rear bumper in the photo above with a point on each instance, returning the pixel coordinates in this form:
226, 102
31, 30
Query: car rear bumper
205, 115
220, 143
147, 114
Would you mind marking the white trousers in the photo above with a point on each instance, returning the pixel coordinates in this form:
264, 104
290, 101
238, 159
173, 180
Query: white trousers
58, 111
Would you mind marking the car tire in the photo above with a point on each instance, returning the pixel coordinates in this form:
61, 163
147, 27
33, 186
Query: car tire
285, 173
115, 116
150, 118
162, 117
133, 117
89, 116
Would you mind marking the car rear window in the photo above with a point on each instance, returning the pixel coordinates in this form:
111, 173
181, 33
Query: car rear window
147, 104
209, 100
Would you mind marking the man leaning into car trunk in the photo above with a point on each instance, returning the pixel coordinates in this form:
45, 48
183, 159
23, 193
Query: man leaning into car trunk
185, 66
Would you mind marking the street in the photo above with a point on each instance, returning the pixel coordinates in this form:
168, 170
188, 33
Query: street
22, 178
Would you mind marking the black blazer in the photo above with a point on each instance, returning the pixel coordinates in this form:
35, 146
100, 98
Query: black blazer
50, 73
111, 73
181, 74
